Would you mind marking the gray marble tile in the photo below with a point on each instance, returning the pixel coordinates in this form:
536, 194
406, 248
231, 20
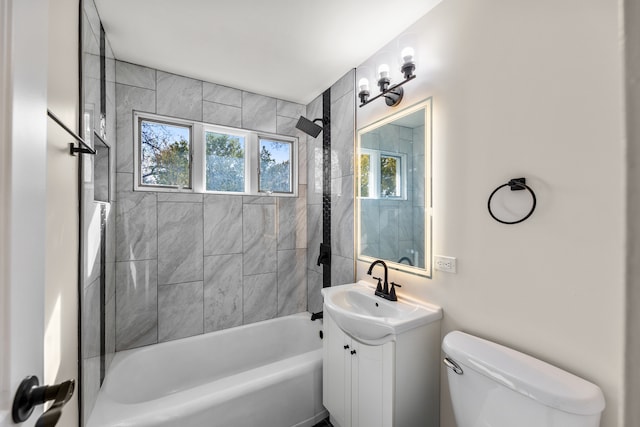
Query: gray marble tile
124, 183
314, 171
222, 224
259, 239
342, 270
91, 320
180, 311
418, 140
180, 243
314, 236
222, 292
135, 75
260, 297
180, 197
342, 136
259, 200
258, 112
292, 220
344, 85
301, 217
286, 208
302, 160
179, 96
221, 114
406, 229
136, 304
369, 227
129, 98
292, 281
314, 286
287, 126
419, 181
342, 219
290, 109
222, 94
136, 227
389, 231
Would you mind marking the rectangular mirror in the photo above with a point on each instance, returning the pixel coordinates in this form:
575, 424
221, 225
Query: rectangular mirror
393, 164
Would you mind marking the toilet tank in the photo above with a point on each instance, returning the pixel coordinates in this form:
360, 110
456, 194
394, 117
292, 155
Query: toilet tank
501, 387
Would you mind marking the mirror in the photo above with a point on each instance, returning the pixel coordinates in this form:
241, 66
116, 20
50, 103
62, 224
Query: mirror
393, 164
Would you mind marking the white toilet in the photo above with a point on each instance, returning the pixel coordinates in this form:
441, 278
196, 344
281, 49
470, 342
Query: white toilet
495, 386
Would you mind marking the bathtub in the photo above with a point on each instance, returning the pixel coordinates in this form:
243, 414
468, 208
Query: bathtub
266, 374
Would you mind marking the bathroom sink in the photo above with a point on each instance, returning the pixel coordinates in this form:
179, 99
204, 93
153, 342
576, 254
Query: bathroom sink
372, 319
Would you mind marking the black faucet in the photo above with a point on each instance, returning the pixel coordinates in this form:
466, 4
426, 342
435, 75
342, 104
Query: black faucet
383, 291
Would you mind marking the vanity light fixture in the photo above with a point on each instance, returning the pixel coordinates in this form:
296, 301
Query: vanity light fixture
392, 94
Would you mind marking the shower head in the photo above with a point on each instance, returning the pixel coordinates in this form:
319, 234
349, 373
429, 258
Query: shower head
309, 127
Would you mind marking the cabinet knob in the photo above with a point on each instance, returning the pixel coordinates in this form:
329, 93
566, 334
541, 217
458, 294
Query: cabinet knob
346, 347
353, 352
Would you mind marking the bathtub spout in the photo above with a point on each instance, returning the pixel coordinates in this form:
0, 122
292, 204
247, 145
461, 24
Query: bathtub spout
317, 315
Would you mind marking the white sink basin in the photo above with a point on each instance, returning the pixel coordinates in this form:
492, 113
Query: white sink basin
372, 319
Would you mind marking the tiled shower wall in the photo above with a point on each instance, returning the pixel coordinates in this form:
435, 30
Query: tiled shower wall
342, 187
187, 264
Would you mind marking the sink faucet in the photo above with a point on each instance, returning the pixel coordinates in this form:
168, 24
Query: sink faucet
383, 291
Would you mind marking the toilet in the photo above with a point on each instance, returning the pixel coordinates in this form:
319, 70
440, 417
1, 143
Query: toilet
495, 386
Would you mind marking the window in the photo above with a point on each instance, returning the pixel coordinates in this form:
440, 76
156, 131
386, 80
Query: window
225, 162
165, 154
390, 176
186, 156
276, 158
382, 175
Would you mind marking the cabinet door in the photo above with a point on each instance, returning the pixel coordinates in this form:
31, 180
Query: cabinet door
372, 385
336, 372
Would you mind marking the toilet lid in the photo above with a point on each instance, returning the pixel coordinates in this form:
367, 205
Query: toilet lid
524, 374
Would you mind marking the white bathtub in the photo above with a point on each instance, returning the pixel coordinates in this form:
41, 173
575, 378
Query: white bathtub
267, 374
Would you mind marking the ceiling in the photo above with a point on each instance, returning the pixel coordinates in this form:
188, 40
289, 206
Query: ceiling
288, 49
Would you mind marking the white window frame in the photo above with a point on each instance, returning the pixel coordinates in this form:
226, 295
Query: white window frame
198, 157
137, 152
293, 159
375, 176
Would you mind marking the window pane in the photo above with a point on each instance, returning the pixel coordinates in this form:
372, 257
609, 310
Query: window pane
275, 166
225, 162
165, 154
389, 176
365, 170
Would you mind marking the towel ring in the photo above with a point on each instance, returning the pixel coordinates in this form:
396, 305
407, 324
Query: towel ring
516, 184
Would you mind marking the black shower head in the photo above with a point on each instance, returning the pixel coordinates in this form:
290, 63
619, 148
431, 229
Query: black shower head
309, 127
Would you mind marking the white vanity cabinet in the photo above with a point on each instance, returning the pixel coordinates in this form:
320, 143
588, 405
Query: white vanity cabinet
392, 384
357, 379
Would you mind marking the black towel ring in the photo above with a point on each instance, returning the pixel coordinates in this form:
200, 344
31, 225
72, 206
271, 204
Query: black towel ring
516, 184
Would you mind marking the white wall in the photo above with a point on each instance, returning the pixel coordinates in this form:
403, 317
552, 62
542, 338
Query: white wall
529, 89
61, 285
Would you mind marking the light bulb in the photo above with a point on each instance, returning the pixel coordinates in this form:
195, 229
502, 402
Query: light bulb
383, 71
407, 54
363, 84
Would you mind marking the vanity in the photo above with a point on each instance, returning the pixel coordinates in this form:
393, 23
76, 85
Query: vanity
381, 359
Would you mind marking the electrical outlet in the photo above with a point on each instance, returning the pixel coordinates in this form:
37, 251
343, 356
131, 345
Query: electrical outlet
445, 263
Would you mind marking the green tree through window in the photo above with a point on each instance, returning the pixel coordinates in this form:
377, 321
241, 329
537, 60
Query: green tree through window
275, 166
165, 154
225, 162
